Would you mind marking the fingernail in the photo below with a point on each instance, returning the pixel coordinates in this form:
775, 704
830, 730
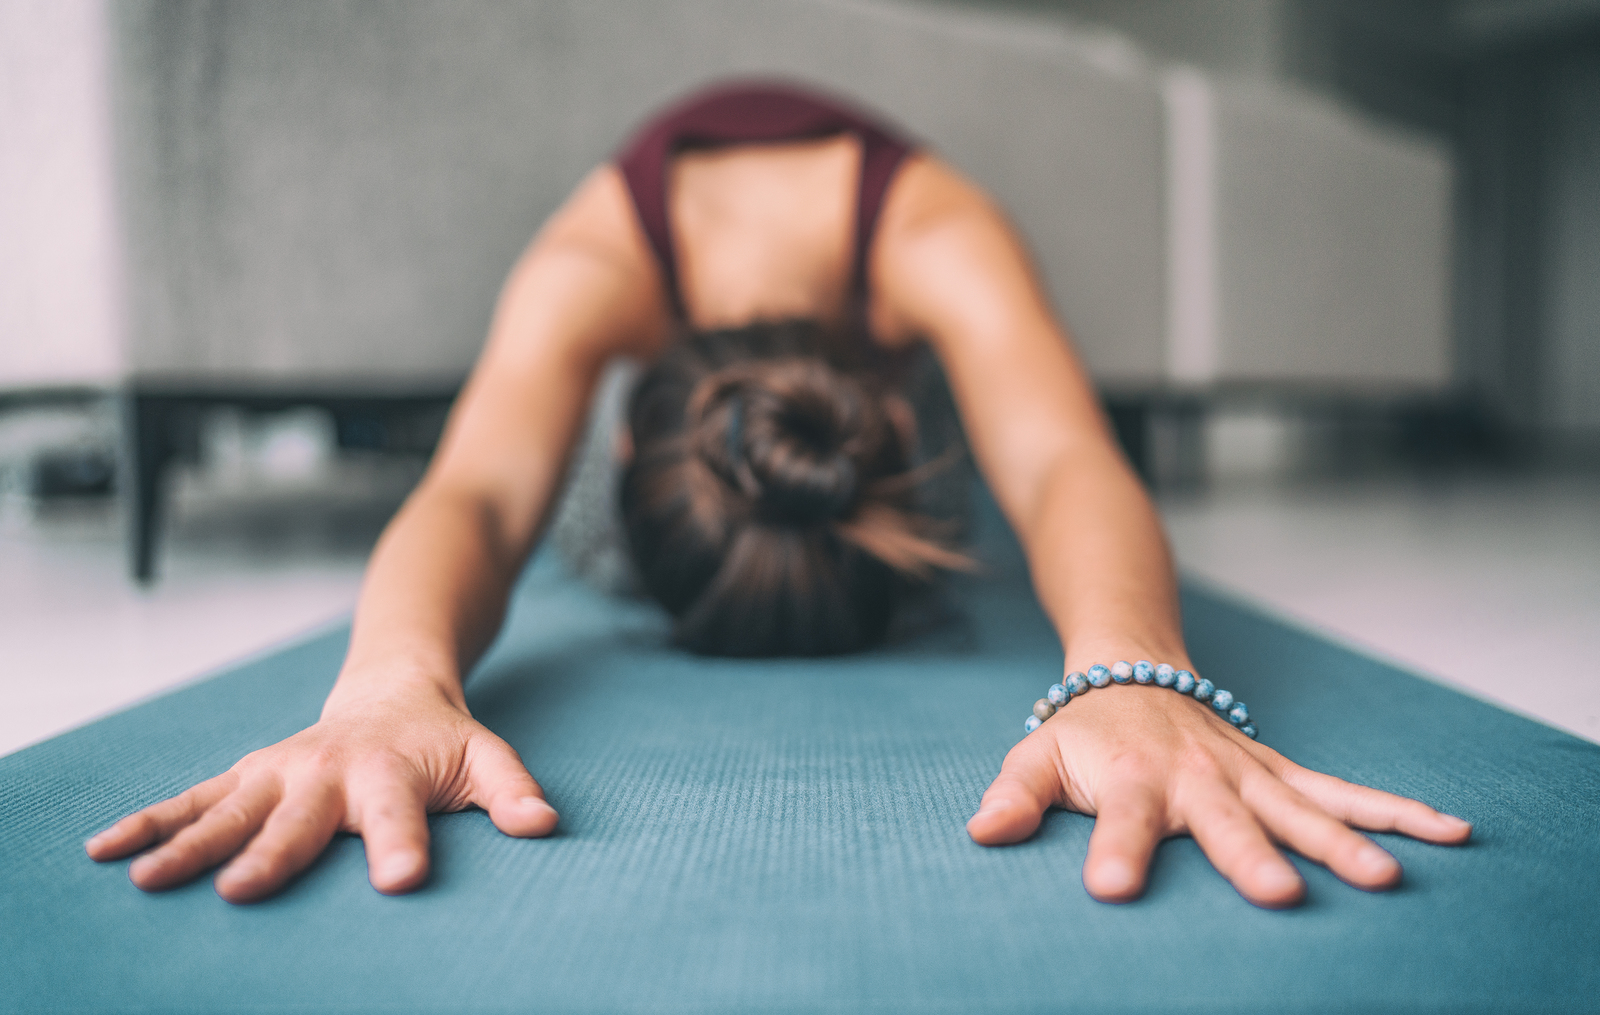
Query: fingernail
1276, 879
1117, 875
533, 801
397, 868
1376, 859
243, 870
94, 840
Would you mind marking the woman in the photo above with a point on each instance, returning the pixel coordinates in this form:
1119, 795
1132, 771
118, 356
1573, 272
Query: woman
767, 506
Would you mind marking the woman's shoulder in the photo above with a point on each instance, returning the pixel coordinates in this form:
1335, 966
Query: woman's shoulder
598, 215
593, 245
928, 192
934, 249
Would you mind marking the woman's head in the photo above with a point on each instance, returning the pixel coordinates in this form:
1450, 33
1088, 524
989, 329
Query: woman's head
767, 502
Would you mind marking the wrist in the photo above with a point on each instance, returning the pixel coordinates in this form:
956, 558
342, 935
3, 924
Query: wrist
1084, 653
1158, 675
361, 686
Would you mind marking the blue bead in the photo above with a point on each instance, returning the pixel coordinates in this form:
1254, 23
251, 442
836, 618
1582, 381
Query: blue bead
1203, 689
1031, 725
1165, 675
1121, 671
1077, 684
1238, 714
1057, 694
1222, 700
1143, 672
1249, 730
1099, 676
1183, 682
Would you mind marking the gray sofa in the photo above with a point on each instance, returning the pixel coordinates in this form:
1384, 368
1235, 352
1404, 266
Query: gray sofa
317, 202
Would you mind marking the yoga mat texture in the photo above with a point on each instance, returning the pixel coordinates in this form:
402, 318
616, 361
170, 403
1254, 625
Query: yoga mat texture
785, 836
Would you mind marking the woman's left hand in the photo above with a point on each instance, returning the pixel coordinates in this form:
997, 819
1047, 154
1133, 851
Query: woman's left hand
1148, 764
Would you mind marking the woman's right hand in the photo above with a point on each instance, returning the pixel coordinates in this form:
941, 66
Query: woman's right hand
374, 767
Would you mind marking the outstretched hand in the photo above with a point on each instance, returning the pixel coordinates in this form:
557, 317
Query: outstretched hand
374, 768
1148, 764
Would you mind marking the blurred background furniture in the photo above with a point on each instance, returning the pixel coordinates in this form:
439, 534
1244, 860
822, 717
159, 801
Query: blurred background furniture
265, 205
326, 198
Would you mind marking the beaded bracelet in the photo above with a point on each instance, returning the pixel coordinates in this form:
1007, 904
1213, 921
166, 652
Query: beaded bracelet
1141, 672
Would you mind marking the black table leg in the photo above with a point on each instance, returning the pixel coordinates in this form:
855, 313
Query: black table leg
147, 448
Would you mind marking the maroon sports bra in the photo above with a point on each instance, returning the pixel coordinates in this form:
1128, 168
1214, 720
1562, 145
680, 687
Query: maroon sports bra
754, 112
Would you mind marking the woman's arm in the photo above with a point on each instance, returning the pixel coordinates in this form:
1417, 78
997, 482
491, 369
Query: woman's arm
1148, 763
436, 589
953, 271
396, 740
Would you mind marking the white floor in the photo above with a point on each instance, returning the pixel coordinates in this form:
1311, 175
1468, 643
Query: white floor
242, 571
1492, 585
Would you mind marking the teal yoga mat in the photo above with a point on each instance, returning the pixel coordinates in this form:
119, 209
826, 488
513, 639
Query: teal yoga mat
788, 837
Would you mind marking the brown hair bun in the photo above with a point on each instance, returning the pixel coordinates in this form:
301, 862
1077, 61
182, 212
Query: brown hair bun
767, 504
793, 435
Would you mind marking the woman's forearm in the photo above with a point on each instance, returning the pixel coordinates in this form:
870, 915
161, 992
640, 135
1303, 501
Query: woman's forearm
1100, 563
435, 592
433, 598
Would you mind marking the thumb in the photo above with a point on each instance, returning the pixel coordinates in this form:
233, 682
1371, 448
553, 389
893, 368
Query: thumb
1012, 806
498, 782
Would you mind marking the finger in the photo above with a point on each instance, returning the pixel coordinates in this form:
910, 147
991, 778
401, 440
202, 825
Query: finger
1310, 831
1237, 847
296, 830
394, 825
1013, 805
1373, 809
225, 827
159, 822
500, 784
1130, 819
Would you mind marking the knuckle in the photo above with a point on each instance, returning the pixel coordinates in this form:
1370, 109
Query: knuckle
231, 813
296, 819
1021, 757
1137, 765
250, 763
324, 760
270, 857
1322, 840
383, 812
389, 770
1199, 763
227, 781
1347, 847
173, 854
188, 807
1014, 757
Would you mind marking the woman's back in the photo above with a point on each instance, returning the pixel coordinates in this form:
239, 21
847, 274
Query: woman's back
765, 232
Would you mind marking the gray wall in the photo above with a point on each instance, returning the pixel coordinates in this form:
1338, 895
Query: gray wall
335, 190
1529, 318
1237, 38
60, 283
331, 192
1511, 86
1334, 247
1570, 374
1514, 84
